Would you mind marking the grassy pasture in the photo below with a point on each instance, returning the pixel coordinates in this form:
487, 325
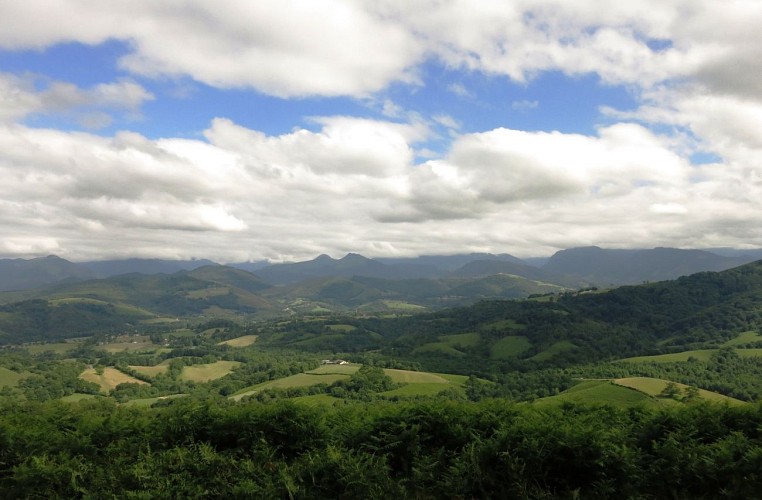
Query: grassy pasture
411, 377
243, 341
744, 338
297, 380
510, 347
749, 353
551, 351
316, 400
9, 378
401, 305
151, 371
654, 387
56, 347
415, 383
698, 354
110, 378
205, 373
599, 392
335, 369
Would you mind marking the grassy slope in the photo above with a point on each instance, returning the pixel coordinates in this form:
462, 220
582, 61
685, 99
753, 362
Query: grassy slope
415, 383
211, 371
110, 378
9, 378
151, 371
244, 341
654, 387
600, 392
698, 354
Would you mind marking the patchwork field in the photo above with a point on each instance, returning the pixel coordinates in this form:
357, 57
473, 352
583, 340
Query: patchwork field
109, 379
211, 371
244, 341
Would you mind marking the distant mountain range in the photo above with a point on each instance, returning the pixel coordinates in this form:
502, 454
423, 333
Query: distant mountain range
605, 267
572, 268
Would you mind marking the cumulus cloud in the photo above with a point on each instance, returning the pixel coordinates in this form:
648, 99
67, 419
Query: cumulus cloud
21, 96
344, 183
282, 48
306, 192
340, 47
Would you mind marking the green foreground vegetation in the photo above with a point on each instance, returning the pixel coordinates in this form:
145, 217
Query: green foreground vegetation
436, 449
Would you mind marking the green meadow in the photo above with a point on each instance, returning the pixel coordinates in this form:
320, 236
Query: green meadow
599, 392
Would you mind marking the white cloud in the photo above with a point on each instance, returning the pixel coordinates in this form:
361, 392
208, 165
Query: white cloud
341, 47
353, 185
21, 97
280, 47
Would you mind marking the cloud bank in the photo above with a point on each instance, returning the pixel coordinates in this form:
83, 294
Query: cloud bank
360, 184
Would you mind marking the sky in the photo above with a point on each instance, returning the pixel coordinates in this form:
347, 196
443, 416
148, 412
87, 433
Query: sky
244, 130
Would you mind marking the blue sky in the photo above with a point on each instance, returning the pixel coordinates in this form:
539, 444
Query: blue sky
281, 130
